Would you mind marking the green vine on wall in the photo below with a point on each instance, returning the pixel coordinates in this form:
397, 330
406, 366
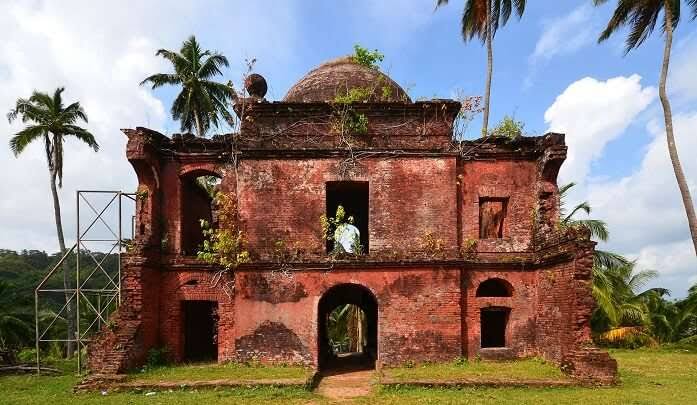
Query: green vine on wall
224, 244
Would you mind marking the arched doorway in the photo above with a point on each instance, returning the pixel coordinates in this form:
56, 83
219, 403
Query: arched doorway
359, 309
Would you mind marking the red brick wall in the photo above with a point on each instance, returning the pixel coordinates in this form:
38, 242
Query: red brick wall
510, 179
418, 313
520, 333
283, 199
177, 287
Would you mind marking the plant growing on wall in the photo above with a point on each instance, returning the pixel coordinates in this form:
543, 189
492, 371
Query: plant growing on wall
224, 244
508, 128
366, 57
333, 228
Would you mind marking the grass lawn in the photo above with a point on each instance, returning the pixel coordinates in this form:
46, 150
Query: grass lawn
196, 372
524, 369
649, 376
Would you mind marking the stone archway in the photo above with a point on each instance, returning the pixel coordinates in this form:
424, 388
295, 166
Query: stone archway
338, 296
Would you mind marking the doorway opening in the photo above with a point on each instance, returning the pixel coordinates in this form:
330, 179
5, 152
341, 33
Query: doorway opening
353, 196
200, 331
347, 329
494, 322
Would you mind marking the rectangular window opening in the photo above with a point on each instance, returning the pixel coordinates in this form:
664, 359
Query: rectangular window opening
353, 196
492, 214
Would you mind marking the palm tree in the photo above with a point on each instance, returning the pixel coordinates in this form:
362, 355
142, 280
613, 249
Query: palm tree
481, 19
642, 16
49, 121
597, 228
15, 331
201, 101
622, 313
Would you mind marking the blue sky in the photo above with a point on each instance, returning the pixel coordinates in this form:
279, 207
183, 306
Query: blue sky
548, 72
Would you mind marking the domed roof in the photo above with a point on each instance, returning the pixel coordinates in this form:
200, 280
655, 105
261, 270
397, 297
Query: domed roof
338, 76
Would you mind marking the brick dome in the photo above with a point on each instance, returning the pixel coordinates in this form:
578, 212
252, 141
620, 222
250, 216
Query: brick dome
336, 77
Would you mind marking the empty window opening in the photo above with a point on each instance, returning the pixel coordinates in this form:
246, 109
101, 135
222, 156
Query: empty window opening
494, 322
495, 287
200, 330
492, 213
347, 328
353, 197
198, 193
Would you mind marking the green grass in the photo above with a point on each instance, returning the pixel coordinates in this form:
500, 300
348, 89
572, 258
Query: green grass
522, 369
195, 372
32, 390
649, 376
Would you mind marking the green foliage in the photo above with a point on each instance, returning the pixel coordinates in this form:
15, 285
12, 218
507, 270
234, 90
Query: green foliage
641, 17
598, 229
224, 244
354, 95
508, 128
157, 357
366, 57
50, 122
346, 120
432, 245
343, 328
332, 228
469, 248
475, 21
626, 316
202, 102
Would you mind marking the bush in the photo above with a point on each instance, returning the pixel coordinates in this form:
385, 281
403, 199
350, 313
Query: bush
157, 357
27, 355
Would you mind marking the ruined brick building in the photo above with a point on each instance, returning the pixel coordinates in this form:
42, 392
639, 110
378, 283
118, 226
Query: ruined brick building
463, 255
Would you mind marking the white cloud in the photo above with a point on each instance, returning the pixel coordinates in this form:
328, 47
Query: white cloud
645, 212
592, 113
100, 52
565, 34
683, 81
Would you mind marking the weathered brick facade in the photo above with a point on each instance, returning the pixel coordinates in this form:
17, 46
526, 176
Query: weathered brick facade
426, 260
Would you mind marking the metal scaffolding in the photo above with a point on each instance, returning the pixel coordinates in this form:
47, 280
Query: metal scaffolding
81, 286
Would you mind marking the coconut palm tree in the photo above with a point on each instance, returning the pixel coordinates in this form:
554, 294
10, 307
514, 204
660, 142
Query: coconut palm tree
597, 228
201, 101
481, 19
642, 16
51, 122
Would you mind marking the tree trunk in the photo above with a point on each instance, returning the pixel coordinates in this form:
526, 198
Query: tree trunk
66, 274
199, 129
489, 70
668, 116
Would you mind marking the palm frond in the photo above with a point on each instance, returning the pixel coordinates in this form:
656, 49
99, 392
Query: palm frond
596, 227
641, 17
693, 6
602, 258
26, 136
211, 67
621, 333
583, 206
83, 135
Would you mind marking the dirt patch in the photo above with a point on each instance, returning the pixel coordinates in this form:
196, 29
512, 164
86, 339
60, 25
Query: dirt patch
346, 386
